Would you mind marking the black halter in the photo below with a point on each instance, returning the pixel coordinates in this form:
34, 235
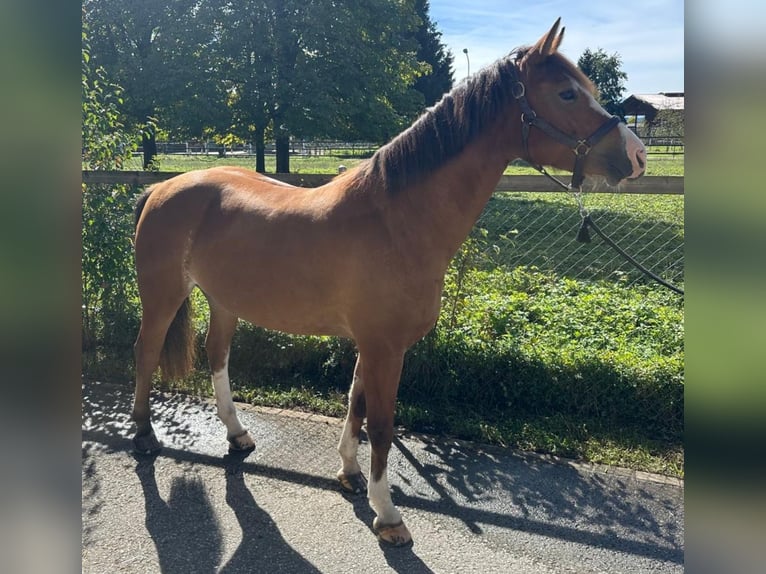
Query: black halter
581, 148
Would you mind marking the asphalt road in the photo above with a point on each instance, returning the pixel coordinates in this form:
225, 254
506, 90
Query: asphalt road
470, 508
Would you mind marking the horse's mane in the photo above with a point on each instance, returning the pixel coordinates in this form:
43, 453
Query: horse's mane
443, 130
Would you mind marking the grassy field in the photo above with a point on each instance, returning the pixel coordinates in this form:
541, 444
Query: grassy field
657, 165
541, 344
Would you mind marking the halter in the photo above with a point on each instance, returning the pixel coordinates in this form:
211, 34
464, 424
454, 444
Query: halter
581, 148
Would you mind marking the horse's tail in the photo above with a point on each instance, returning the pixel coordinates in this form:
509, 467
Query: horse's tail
177, 357
140, 204
178, 351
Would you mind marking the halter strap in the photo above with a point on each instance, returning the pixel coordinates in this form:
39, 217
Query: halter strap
580, 147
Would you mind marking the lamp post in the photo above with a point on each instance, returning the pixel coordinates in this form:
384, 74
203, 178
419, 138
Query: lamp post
468, 61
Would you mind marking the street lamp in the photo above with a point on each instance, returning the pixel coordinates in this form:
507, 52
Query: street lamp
468, 61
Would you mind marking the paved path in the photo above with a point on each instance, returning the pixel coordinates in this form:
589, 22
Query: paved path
470, 508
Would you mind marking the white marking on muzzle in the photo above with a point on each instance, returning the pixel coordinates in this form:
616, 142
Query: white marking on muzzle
635, 150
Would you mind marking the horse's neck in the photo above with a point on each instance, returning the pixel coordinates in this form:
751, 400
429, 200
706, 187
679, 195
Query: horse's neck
447, 204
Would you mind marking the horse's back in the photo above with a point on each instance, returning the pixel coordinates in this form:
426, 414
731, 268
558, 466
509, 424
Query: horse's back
262, 248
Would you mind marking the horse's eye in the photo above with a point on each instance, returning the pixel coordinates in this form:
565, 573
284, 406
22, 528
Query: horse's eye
568, 95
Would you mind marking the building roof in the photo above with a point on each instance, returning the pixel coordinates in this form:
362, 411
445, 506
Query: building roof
650, 104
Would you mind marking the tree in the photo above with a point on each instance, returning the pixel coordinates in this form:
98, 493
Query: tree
604, 71
105, 142
320, 68
158, 52
439, 78
291, 68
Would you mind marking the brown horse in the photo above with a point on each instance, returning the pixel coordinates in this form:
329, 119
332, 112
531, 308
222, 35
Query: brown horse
363, 256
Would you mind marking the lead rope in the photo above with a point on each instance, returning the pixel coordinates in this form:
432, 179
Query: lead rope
583, 236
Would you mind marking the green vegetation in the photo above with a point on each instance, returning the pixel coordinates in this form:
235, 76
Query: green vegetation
606, 73
109, 294
298, 164
252, 70
664, 165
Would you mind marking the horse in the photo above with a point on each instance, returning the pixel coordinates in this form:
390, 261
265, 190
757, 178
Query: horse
363, 256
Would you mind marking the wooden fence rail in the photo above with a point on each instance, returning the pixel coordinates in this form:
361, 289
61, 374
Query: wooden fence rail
653, 184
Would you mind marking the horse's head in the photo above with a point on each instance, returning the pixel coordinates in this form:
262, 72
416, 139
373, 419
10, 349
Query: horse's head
564, 124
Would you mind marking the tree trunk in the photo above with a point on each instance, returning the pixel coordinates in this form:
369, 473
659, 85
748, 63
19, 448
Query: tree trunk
283, 152
260, 150
149, 143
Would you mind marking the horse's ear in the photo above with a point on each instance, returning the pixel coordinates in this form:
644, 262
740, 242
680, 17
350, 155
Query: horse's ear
559, 38
548, 44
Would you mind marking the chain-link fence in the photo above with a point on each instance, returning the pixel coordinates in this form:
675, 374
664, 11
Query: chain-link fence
539, 230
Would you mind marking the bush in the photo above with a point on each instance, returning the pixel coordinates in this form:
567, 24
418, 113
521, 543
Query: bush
109, 301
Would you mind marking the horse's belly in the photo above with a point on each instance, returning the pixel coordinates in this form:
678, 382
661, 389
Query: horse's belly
291, 306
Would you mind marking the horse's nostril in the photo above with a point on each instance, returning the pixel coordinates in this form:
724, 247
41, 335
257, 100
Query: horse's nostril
641, 158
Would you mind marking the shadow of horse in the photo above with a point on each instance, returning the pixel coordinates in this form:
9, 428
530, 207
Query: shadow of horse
263, 546
184, 528
479, 485
548, 497
189, 538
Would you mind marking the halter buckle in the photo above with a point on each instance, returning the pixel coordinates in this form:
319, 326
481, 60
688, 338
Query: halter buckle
518, 90
528, 117
582, 148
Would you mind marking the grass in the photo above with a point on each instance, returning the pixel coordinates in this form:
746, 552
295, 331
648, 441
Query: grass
298, 164
663, 164
538, 230
575, 359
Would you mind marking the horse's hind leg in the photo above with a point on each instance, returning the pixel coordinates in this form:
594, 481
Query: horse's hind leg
350, 475
218, 343
156, 319
147, 352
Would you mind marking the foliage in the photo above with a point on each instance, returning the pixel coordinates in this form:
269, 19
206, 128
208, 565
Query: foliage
439, 78
667, 123
158, 52
606, 73
532, 360
319, 69
105, 144
108, 284
288, 68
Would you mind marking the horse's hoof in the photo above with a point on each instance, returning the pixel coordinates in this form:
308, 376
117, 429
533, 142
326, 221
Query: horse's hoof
241, 443
393, 535
146, 444
352, 483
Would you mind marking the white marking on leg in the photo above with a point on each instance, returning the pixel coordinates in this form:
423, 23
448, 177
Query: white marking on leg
349, 444
348, 447
380, 500
226, 410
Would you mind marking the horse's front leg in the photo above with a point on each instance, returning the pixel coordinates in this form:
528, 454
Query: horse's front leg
380, 372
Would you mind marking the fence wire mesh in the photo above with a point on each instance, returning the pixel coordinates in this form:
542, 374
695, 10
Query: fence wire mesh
539, 230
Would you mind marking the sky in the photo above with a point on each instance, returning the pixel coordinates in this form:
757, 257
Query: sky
648, 36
